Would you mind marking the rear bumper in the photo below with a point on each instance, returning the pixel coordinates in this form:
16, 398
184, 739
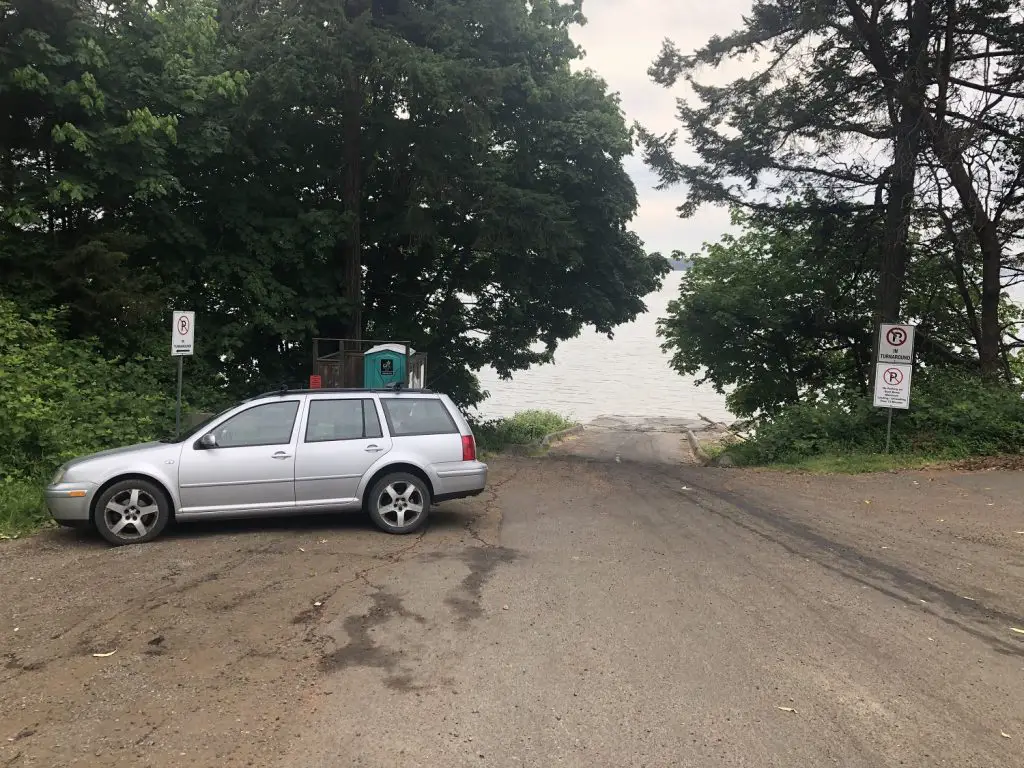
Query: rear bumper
69, 501
467, 480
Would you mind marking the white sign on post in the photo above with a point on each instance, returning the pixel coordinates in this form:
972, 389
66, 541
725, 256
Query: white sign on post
183, 333
895, 344
892, 385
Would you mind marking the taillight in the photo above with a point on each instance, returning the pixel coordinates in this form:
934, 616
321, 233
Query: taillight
468, 448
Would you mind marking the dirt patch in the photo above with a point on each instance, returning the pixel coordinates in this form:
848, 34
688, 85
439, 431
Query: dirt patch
987, 463
197, 647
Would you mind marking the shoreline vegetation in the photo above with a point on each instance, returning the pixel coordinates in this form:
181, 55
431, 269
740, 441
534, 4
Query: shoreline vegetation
956, 420
523, 429
784, 311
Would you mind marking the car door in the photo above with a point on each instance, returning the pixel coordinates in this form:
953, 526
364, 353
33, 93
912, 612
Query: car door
252, 466
341, 438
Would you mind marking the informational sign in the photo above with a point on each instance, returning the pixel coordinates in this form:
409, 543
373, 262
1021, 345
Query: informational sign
387, 366
315, 382
892, 385
895, 344
183, 333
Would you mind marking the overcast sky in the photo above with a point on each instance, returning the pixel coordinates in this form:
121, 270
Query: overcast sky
621, 39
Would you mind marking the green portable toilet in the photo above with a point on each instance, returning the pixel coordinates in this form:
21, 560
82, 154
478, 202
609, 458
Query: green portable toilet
385, 365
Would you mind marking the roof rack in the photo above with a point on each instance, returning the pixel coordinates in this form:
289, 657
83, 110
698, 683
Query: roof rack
327, 390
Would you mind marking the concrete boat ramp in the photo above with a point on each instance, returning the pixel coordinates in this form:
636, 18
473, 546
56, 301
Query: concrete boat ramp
644, 439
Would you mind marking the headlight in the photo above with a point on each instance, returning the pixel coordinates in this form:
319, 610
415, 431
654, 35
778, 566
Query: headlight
59, 476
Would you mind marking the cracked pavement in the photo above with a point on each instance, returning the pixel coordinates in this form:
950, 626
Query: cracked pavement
587, 610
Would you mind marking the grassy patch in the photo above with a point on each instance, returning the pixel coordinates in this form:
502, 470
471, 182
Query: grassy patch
22, 509
524, 428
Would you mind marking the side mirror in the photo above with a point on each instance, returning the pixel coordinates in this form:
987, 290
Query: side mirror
209, 440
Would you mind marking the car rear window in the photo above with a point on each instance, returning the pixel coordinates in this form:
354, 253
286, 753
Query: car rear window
408, 416
342, 419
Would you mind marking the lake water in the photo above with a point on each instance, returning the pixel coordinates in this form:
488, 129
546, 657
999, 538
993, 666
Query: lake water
595, 376
629, 375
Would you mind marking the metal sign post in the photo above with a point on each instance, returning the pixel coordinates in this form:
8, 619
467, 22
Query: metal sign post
183, 341
893, 370
888, 430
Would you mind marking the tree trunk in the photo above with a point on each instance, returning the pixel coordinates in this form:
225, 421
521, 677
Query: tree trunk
985, 231
951, 157
904, 168
351, 200
351, 255
893, 266
892, 273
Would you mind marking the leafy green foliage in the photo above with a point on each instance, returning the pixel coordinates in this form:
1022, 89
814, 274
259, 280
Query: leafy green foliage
60, 399
451, 151
105, 120
782, 313
906, 108
524, 428
953, 415
431, 172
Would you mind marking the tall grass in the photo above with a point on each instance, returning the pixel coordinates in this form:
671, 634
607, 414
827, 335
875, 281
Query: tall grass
522, 429
21, 508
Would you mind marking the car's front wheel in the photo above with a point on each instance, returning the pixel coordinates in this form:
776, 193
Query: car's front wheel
399, 503
131, 511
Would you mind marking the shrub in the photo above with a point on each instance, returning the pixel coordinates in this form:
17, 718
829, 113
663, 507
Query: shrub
523, 428
953, 414
60, 399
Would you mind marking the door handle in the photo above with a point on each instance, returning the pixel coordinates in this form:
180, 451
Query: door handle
373, 449
281, 455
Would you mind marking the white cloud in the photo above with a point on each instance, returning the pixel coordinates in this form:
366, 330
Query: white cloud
621, 40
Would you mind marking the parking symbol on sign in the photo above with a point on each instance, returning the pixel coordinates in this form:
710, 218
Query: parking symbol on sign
893, 377
896, 336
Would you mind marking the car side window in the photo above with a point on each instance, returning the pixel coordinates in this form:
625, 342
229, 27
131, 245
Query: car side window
342, 419
408, 416
267, 424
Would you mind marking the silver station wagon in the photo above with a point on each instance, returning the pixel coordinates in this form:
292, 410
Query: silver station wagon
392, 453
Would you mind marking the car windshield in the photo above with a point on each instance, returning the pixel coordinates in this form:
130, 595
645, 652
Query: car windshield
196, 430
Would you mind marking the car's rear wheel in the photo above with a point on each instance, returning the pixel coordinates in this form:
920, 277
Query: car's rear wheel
131, 511
399, 503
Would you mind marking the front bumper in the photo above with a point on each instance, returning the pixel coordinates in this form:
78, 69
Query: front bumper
70, 501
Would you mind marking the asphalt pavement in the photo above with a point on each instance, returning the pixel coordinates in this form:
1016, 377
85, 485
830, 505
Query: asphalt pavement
635, 613
606, 605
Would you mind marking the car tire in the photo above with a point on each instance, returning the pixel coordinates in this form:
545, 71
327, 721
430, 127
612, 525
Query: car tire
131, 511
393, 497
